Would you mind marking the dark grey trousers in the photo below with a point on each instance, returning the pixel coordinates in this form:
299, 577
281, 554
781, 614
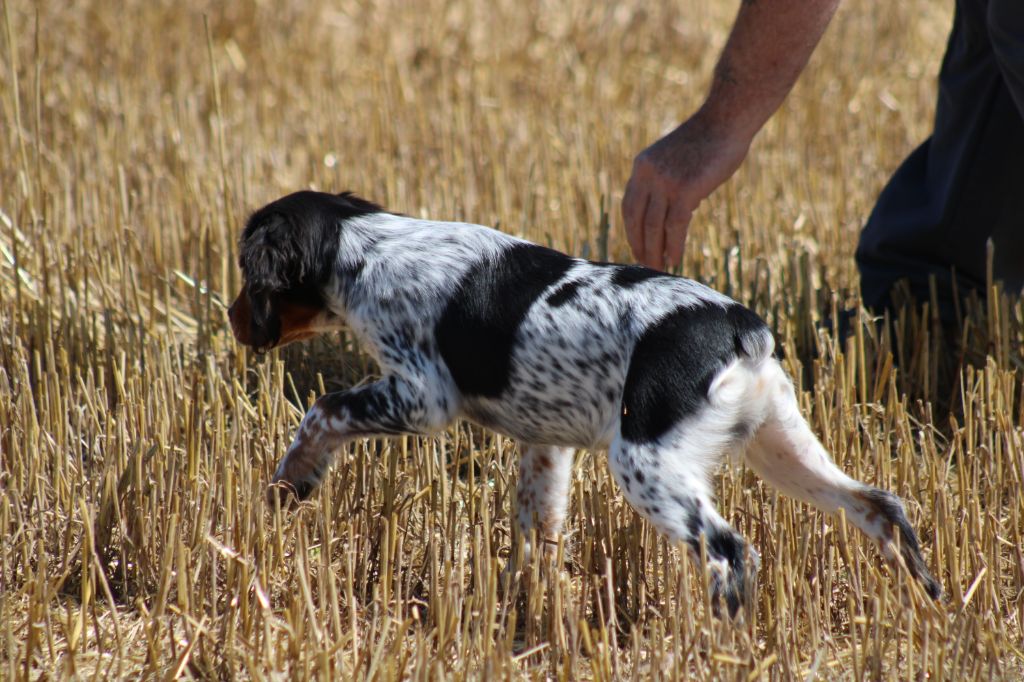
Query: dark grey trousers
965, 184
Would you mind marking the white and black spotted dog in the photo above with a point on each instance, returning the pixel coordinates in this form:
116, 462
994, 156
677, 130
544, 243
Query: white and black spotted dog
556, 352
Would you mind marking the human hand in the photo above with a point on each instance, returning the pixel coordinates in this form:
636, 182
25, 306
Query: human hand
670, 179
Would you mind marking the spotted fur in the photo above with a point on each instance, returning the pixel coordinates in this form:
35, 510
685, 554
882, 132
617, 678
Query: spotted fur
556, 352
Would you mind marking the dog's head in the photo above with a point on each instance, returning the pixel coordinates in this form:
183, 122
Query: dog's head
288, 254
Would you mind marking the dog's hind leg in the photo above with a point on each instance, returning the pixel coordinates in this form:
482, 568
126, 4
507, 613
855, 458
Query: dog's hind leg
665, 474
668, 483
542, 495
785, 453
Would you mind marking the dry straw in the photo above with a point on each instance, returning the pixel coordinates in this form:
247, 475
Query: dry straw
136, 437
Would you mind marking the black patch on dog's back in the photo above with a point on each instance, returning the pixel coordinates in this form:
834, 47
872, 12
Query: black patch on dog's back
674, 363
563, 294
628, 275
477, 331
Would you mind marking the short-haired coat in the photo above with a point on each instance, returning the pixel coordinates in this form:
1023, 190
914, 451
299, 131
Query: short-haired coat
554, 351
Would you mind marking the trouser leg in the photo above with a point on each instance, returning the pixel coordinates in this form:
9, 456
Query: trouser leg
962, 186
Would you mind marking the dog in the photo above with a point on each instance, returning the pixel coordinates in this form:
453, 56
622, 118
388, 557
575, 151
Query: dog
559, 353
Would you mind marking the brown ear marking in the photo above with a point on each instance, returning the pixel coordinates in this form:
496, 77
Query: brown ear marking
240, 314
297, 321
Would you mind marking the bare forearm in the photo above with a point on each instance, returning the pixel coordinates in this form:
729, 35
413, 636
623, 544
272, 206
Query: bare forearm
769, 46
767, 49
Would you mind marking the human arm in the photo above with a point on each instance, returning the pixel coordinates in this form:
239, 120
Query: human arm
768, 47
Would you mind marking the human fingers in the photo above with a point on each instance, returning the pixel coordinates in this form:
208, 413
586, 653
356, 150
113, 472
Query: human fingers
654, 231
677, 224
633, 203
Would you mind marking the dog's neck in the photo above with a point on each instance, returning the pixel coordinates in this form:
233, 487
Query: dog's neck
372, 246
388, 257
359, 237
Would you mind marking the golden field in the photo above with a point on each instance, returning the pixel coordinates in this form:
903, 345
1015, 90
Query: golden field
136, 436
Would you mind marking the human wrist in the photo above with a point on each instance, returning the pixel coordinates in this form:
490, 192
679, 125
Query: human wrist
725, 124
709, 127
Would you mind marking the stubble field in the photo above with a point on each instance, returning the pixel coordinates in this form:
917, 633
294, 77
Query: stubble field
136, 436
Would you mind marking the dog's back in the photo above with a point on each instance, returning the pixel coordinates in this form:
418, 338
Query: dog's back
594, 346
538, 345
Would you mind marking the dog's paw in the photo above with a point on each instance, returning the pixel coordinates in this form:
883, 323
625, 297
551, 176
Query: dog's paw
889, 508
735, 584
288, 493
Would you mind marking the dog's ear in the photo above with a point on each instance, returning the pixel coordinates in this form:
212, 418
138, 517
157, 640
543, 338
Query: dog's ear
271, 259
264, 321
270, 256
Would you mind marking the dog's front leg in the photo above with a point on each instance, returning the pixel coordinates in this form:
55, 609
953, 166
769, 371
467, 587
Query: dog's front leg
391, 406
